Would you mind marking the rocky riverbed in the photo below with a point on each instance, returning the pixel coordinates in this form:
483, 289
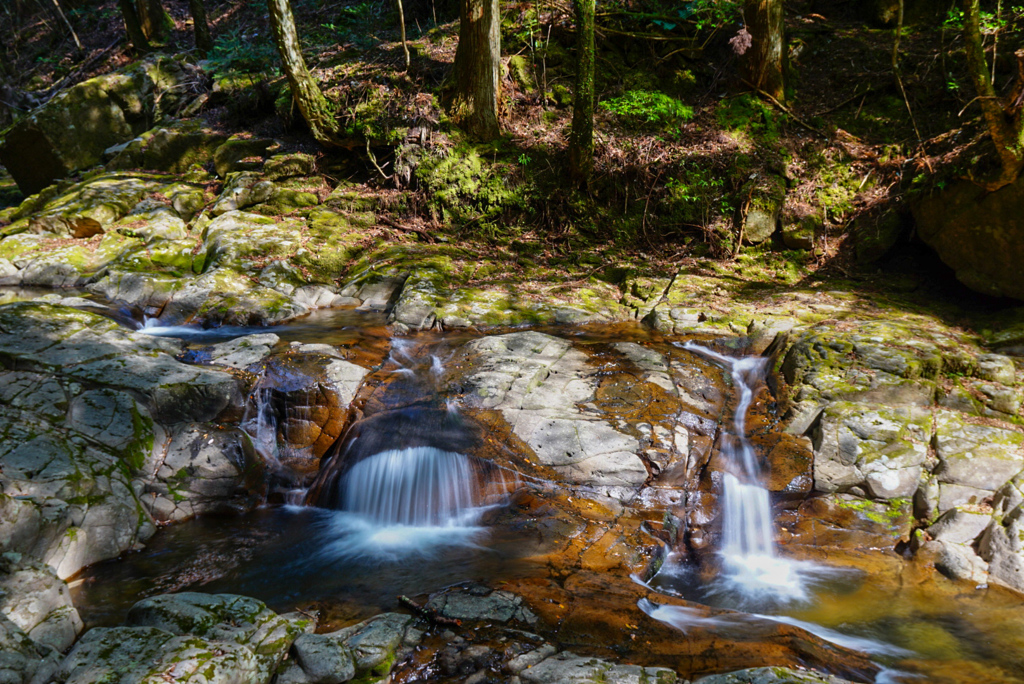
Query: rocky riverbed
890, 429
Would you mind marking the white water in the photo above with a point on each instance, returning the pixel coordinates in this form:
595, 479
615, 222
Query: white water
750, 566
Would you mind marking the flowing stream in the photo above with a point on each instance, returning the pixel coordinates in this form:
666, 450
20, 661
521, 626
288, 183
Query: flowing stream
401, 507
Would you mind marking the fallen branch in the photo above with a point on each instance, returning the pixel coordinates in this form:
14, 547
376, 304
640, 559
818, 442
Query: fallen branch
428, 614
787, 110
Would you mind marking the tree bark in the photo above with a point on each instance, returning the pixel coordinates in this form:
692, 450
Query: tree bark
316, 110
201, 27
581, 137
763, 62
477, 68
133, 27
152, 18
1007, 133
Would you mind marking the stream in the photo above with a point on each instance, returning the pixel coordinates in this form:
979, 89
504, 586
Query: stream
401, 508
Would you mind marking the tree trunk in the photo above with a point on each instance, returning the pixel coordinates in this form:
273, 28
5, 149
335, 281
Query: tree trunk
763, 61
477, 68
133, 27
1007, 133
201, 27
315, 109
581, 137
152, 18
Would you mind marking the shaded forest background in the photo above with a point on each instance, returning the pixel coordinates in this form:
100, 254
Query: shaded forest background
878, 106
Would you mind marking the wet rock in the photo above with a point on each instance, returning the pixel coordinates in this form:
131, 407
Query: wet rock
244, 351
880, 449
537, 382
38, 602
847, 521
72, 131
1002, 544
567, 667
374, 643
481, 603
772, 675
200, 469
956, 561
324, 660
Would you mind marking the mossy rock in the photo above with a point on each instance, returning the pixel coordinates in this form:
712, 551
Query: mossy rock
767, 195
173, 148
875, 236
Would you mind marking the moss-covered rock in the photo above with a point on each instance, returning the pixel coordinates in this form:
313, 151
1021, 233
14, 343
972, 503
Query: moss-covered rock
72, 131
174, 148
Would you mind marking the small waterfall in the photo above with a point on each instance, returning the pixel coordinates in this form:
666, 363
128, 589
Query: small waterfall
751, 566
417, 487
260, 422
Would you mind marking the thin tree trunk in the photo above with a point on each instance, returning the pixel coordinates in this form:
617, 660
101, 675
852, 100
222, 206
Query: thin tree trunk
477, 68
401, 25
201, 27
1007, 134
581, 137
764, 59
133, 27
63, 17
315, 109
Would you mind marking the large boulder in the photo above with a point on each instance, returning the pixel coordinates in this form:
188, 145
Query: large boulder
71, 132
195, 638
979, 234
85, 406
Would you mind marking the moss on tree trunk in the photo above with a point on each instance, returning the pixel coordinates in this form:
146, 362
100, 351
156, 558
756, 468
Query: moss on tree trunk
316, 110
581, 138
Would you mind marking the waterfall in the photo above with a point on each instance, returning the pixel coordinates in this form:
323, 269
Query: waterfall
750, 565
417, 487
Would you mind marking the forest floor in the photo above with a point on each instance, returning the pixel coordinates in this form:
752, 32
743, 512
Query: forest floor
684, 148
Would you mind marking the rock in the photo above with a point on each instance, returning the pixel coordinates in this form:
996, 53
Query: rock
883, 450
875, 235
151, 220
537, 381
772, 675
997, 368
979, 234
567, 667
197, 638
959, 526
288, 166
1002, 544
244, 351
767, 194
324, 660
38, 602
241, 154
800, 235
21, 659
91, 207
200, 469
974, 455
173, 147
75, 457
72, 131
481, 603
242, 190
374, 642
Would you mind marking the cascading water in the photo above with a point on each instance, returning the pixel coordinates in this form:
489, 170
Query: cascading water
751, 567
418, 487
401, 482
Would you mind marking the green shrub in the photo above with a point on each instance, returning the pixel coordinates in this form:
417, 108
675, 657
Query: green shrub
648, 108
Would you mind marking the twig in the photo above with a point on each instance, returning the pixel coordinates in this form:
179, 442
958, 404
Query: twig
57, 87
896, 66
425, 612
373, 160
